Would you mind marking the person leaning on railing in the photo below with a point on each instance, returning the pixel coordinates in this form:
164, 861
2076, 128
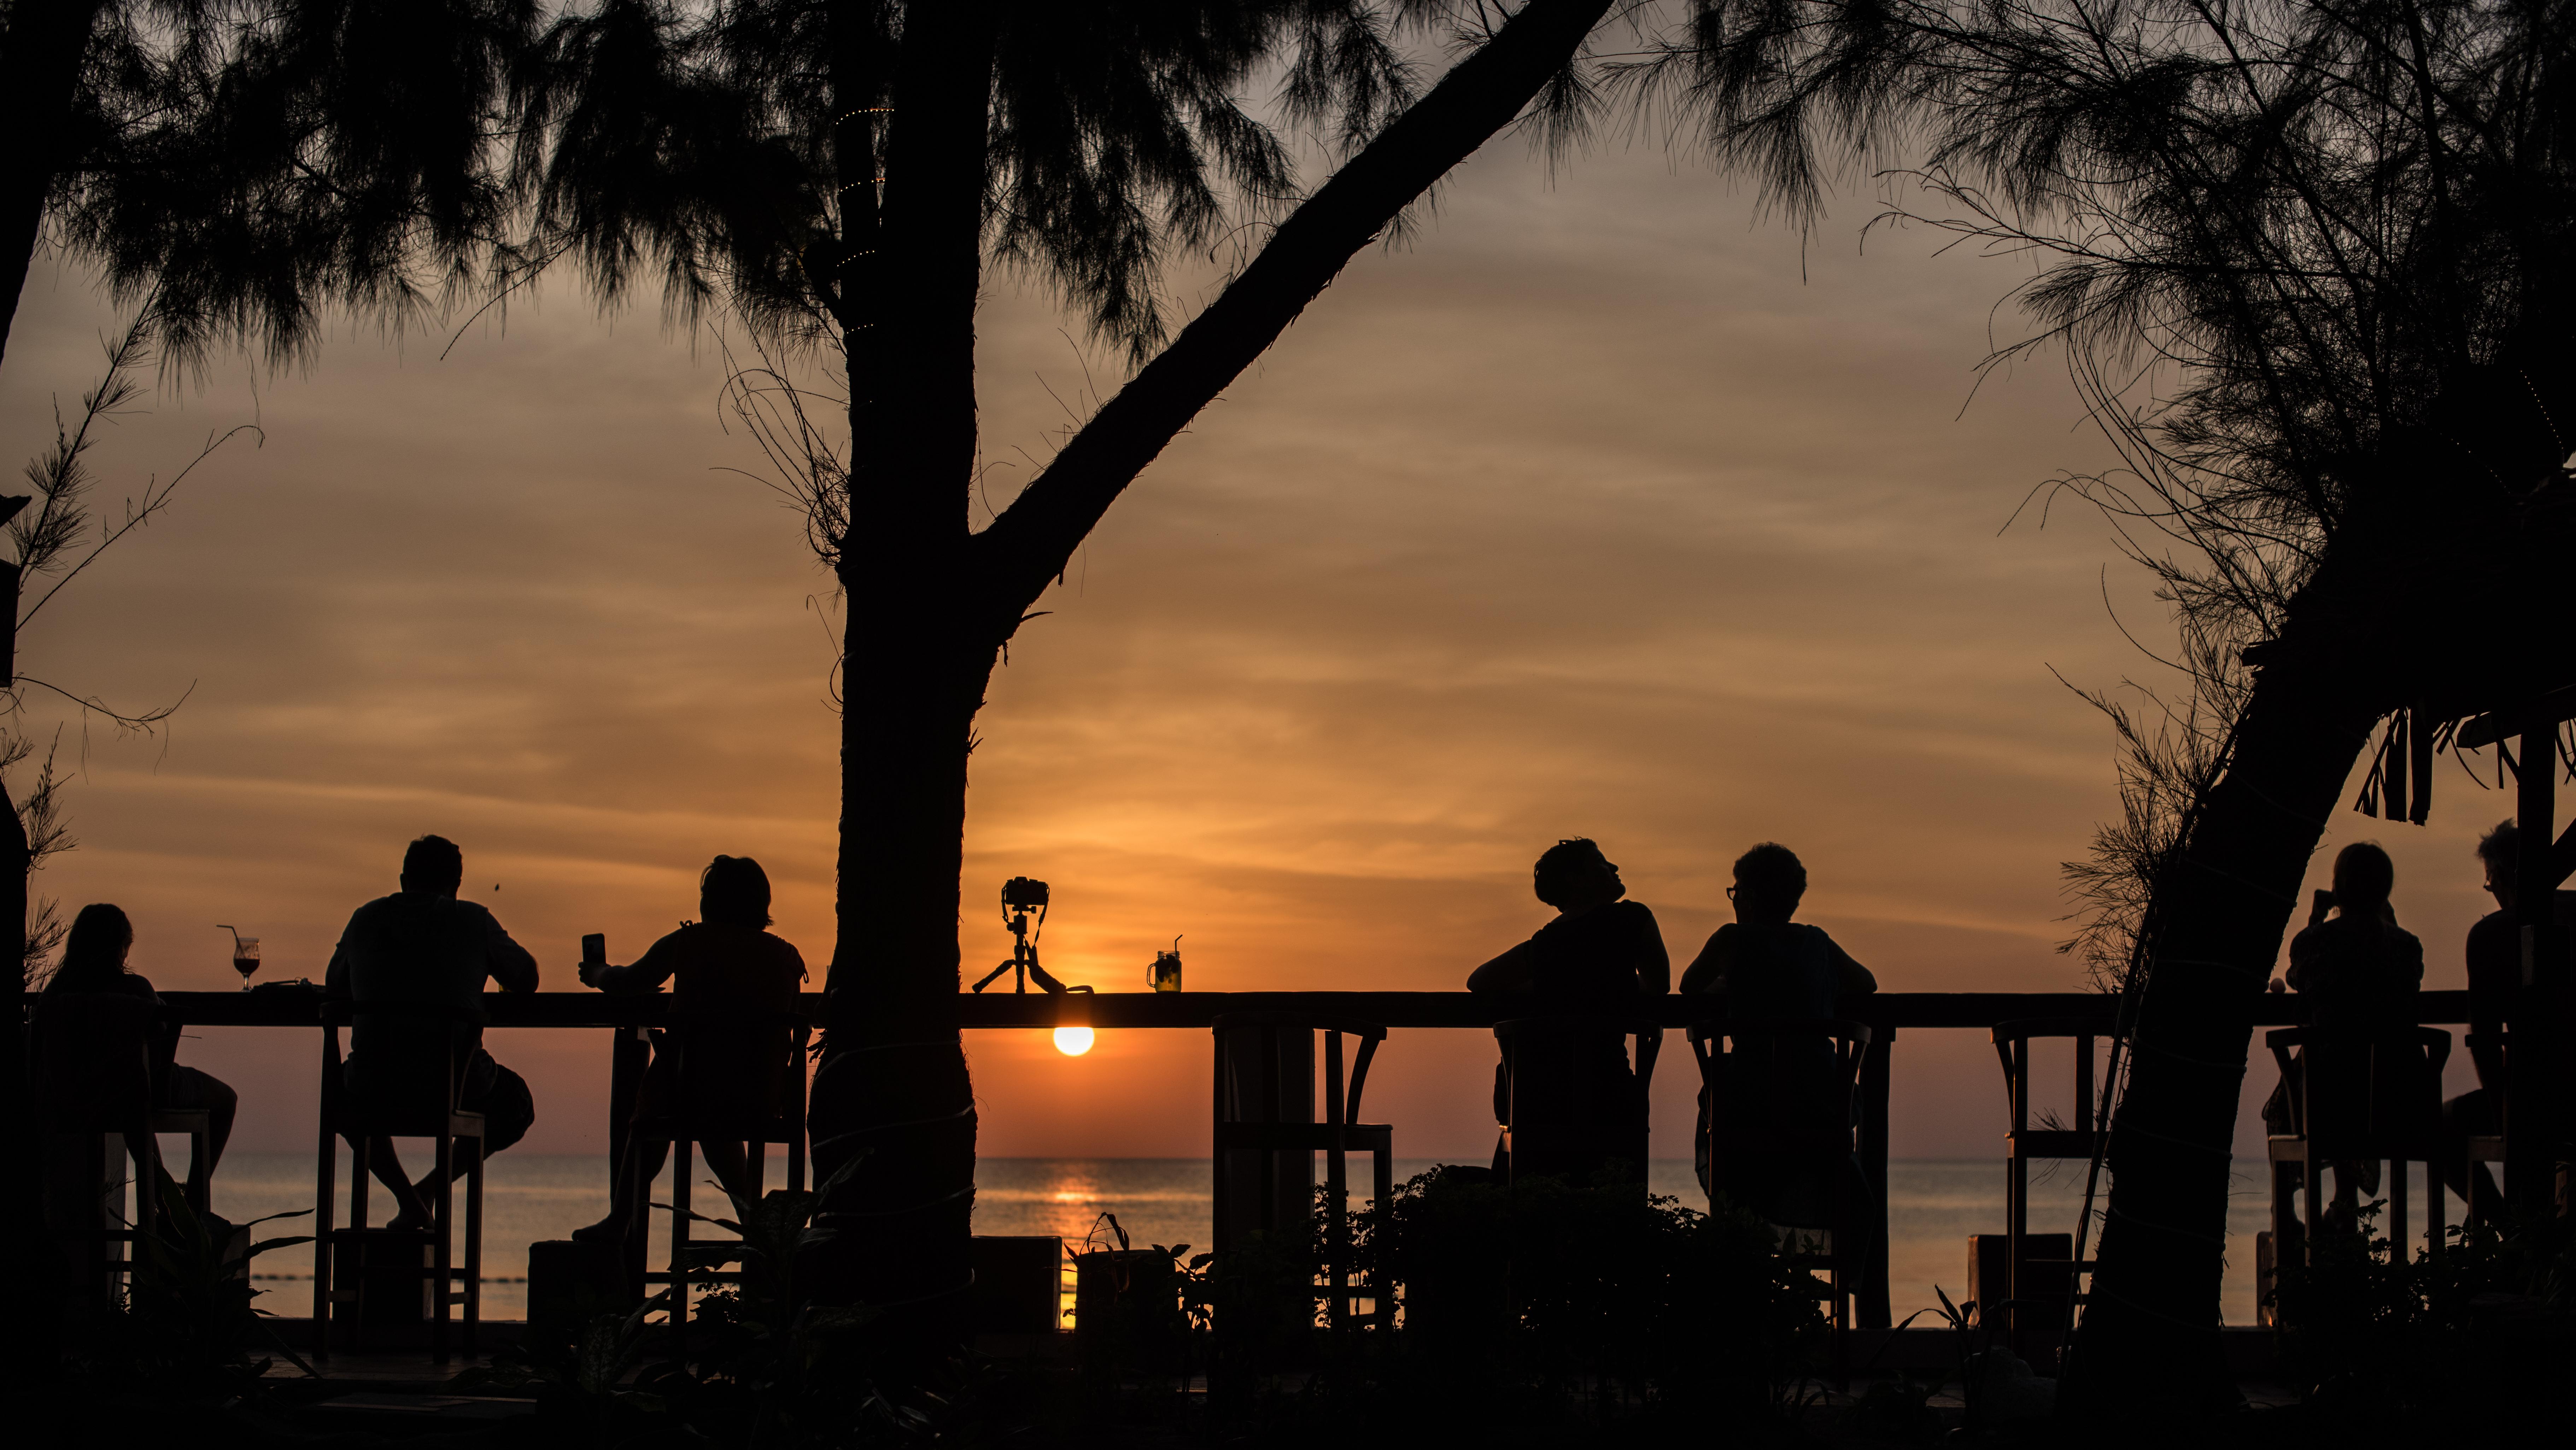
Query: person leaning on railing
727, 957
423, 945
1765, 966
1601, 949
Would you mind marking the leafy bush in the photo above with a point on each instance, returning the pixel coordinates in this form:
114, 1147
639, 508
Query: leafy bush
2470, 1342
1542, 1300
183, 1326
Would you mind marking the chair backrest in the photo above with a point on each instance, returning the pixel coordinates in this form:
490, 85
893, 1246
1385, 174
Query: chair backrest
406, 1064
1260, 1078
2363, 1094
93, 1061
737, 1058
1789, 1086
2012, 1050
1570, 1101
1265, 1073
1549, 1045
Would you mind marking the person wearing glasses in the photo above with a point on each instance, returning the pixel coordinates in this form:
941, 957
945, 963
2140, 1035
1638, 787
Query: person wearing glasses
1767, 966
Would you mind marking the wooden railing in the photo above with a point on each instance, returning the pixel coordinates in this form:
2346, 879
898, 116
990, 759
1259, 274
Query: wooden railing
1890, 1013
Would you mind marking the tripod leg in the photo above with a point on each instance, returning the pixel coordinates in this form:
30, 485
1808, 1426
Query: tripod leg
989, 976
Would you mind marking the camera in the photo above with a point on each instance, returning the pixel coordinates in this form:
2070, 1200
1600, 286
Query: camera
1022, 893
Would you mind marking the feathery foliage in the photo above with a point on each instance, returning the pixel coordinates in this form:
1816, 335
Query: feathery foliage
2277, 239
708, 149
248, 164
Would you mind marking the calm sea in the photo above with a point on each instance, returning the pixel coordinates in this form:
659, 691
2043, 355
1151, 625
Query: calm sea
1933, 1206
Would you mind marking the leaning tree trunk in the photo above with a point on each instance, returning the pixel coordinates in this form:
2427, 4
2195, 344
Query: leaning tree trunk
2150, 1330
931, 605
40, 61
20, 1147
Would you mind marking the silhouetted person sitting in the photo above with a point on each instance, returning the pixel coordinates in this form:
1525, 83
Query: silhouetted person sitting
1766, 966
2357, 974
727, 958
94, 956
2495, 979
422, 945
1587, 1107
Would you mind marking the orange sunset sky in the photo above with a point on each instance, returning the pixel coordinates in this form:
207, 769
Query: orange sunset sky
1601, 508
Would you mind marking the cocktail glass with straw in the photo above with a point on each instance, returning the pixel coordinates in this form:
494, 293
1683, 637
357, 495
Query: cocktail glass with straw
245, 953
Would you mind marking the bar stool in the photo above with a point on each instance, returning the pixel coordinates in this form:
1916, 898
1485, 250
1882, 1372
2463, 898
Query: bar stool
2358, 1097
1794, 1107
716, 1048
1551, 1126
2024, 1145
1266, 1139
2483, 1148
420, 1048
93, 1081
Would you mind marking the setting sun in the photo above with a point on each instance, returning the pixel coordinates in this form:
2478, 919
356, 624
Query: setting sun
1073, 1041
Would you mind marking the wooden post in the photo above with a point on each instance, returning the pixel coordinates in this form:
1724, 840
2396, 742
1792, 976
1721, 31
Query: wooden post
1871, 1309
2531, 1107
630, 1054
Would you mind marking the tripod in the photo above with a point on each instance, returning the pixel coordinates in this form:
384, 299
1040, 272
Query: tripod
1024, 937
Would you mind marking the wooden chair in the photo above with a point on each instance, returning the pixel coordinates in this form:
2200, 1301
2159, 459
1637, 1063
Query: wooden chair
93, 1083
1266, 1137
2492, 1053
1548, 1123
716, 1048
2044, 1285
2358, 1098
1771, 1060
422, 1051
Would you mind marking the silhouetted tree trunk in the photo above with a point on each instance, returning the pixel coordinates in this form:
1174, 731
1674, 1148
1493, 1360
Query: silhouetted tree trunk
40, 61
931, 603
2150, 1328
20, 1157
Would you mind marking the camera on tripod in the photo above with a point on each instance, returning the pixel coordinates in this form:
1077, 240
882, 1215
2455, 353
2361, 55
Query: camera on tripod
1022, 895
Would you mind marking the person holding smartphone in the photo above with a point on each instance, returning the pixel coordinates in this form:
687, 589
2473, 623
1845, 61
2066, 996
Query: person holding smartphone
2359, 972
727, 955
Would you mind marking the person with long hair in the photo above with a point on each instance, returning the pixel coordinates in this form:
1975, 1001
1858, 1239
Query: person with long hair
2357, 972
727, 956
94, 960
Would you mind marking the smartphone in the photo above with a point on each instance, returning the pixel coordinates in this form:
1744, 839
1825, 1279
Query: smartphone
594, 949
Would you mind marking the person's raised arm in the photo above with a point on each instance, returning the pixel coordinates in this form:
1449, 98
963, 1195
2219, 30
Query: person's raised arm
1513, 971
2303, 948
646, 974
